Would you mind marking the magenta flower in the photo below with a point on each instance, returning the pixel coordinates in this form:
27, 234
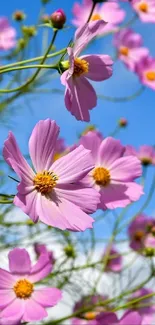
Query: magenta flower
145, 10
114, 262
109, 12
42, 249
7, 35
80, 96
53, 192
19, 297
138, 229
146, 72
145, 153
129, 47
145, 307
113, 176
110, 318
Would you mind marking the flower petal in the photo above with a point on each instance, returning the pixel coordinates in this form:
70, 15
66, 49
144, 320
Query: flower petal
28, 204
126, 169
6, 297
100, 67
110, 150
41, 269
91, 141
85, 198
19, 261
33, 311
133, 318
73, 166
42, 144
15, 159
14, 310
47, 297
6, 279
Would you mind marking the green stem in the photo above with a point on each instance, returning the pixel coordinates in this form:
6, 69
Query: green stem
39, 66
122, 99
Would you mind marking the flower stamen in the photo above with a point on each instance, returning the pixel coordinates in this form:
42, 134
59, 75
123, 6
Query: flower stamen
150, 75
80, 67
95, 17
143, 6
101, 176
23, 289
124, 50
45, 182
139, 235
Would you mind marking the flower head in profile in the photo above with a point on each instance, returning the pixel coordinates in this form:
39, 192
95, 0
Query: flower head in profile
138, 230
113, 260
145, 307
145, 153
145, 70
80, 96
110, 318
145, 10
7, 35
109, 12
20, 299
53, 192
113, 176
129, 47
42, 249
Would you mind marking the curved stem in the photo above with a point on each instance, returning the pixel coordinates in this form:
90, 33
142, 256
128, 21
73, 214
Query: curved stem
122, 99
39, 66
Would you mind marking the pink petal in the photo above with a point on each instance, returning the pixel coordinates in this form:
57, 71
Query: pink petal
85, 198
6, 297
28, 203
107, 318
133, 318
73, 166
15, 159
10, 321
14, 310
100, 67
42, 144
80, 97
33, 311
47, 297
7, 280
126, 169
19, 261
110, 150
91, 141
41, 269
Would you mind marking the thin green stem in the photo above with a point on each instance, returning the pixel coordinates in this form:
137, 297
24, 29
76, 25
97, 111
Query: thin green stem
39, 66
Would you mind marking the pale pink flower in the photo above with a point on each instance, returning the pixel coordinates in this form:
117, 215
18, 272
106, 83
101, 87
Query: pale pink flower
42, 249
19, 297
129, 47
80, 96
52, 193
109, 12
145, 153
114, 261
7, 35
113, 175
145, 10
145, 70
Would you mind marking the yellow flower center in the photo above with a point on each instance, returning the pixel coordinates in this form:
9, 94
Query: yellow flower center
143, 6
90, 315
45, 182
80, 67
150, 75
146, 161
139, 234
96, 17
101, 176
23, 289
124, 50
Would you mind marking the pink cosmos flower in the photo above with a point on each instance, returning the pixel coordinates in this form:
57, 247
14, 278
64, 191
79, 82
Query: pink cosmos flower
145, 70
138, 229
19, 297
7, 35
145, 9
52, 193
42, 249
113, 176
114, 263
128, 318
129, 47
80, 96
145, 307
109, 12
145, 153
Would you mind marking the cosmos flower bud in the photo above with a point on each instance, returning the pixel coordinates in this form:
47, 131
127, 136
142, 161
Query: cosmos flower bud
149, 251
123, 122
45, 18
58, 19
69, 251
29, 31
21, 43
19, 15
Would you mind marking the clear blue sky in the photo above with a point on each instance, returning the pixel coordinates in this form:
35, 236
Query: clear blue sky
140, 112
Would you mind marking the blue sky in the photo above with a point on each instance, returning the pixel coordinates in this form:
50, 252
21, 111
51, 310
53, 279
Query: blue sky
140, 112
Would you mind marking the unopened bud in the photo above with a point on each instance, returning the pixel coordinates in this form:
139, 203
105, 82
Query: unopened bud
123, 122
45, 18
69, 251
21, 43
29, 31
44, 2
18, 15
149, 251
58, 19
